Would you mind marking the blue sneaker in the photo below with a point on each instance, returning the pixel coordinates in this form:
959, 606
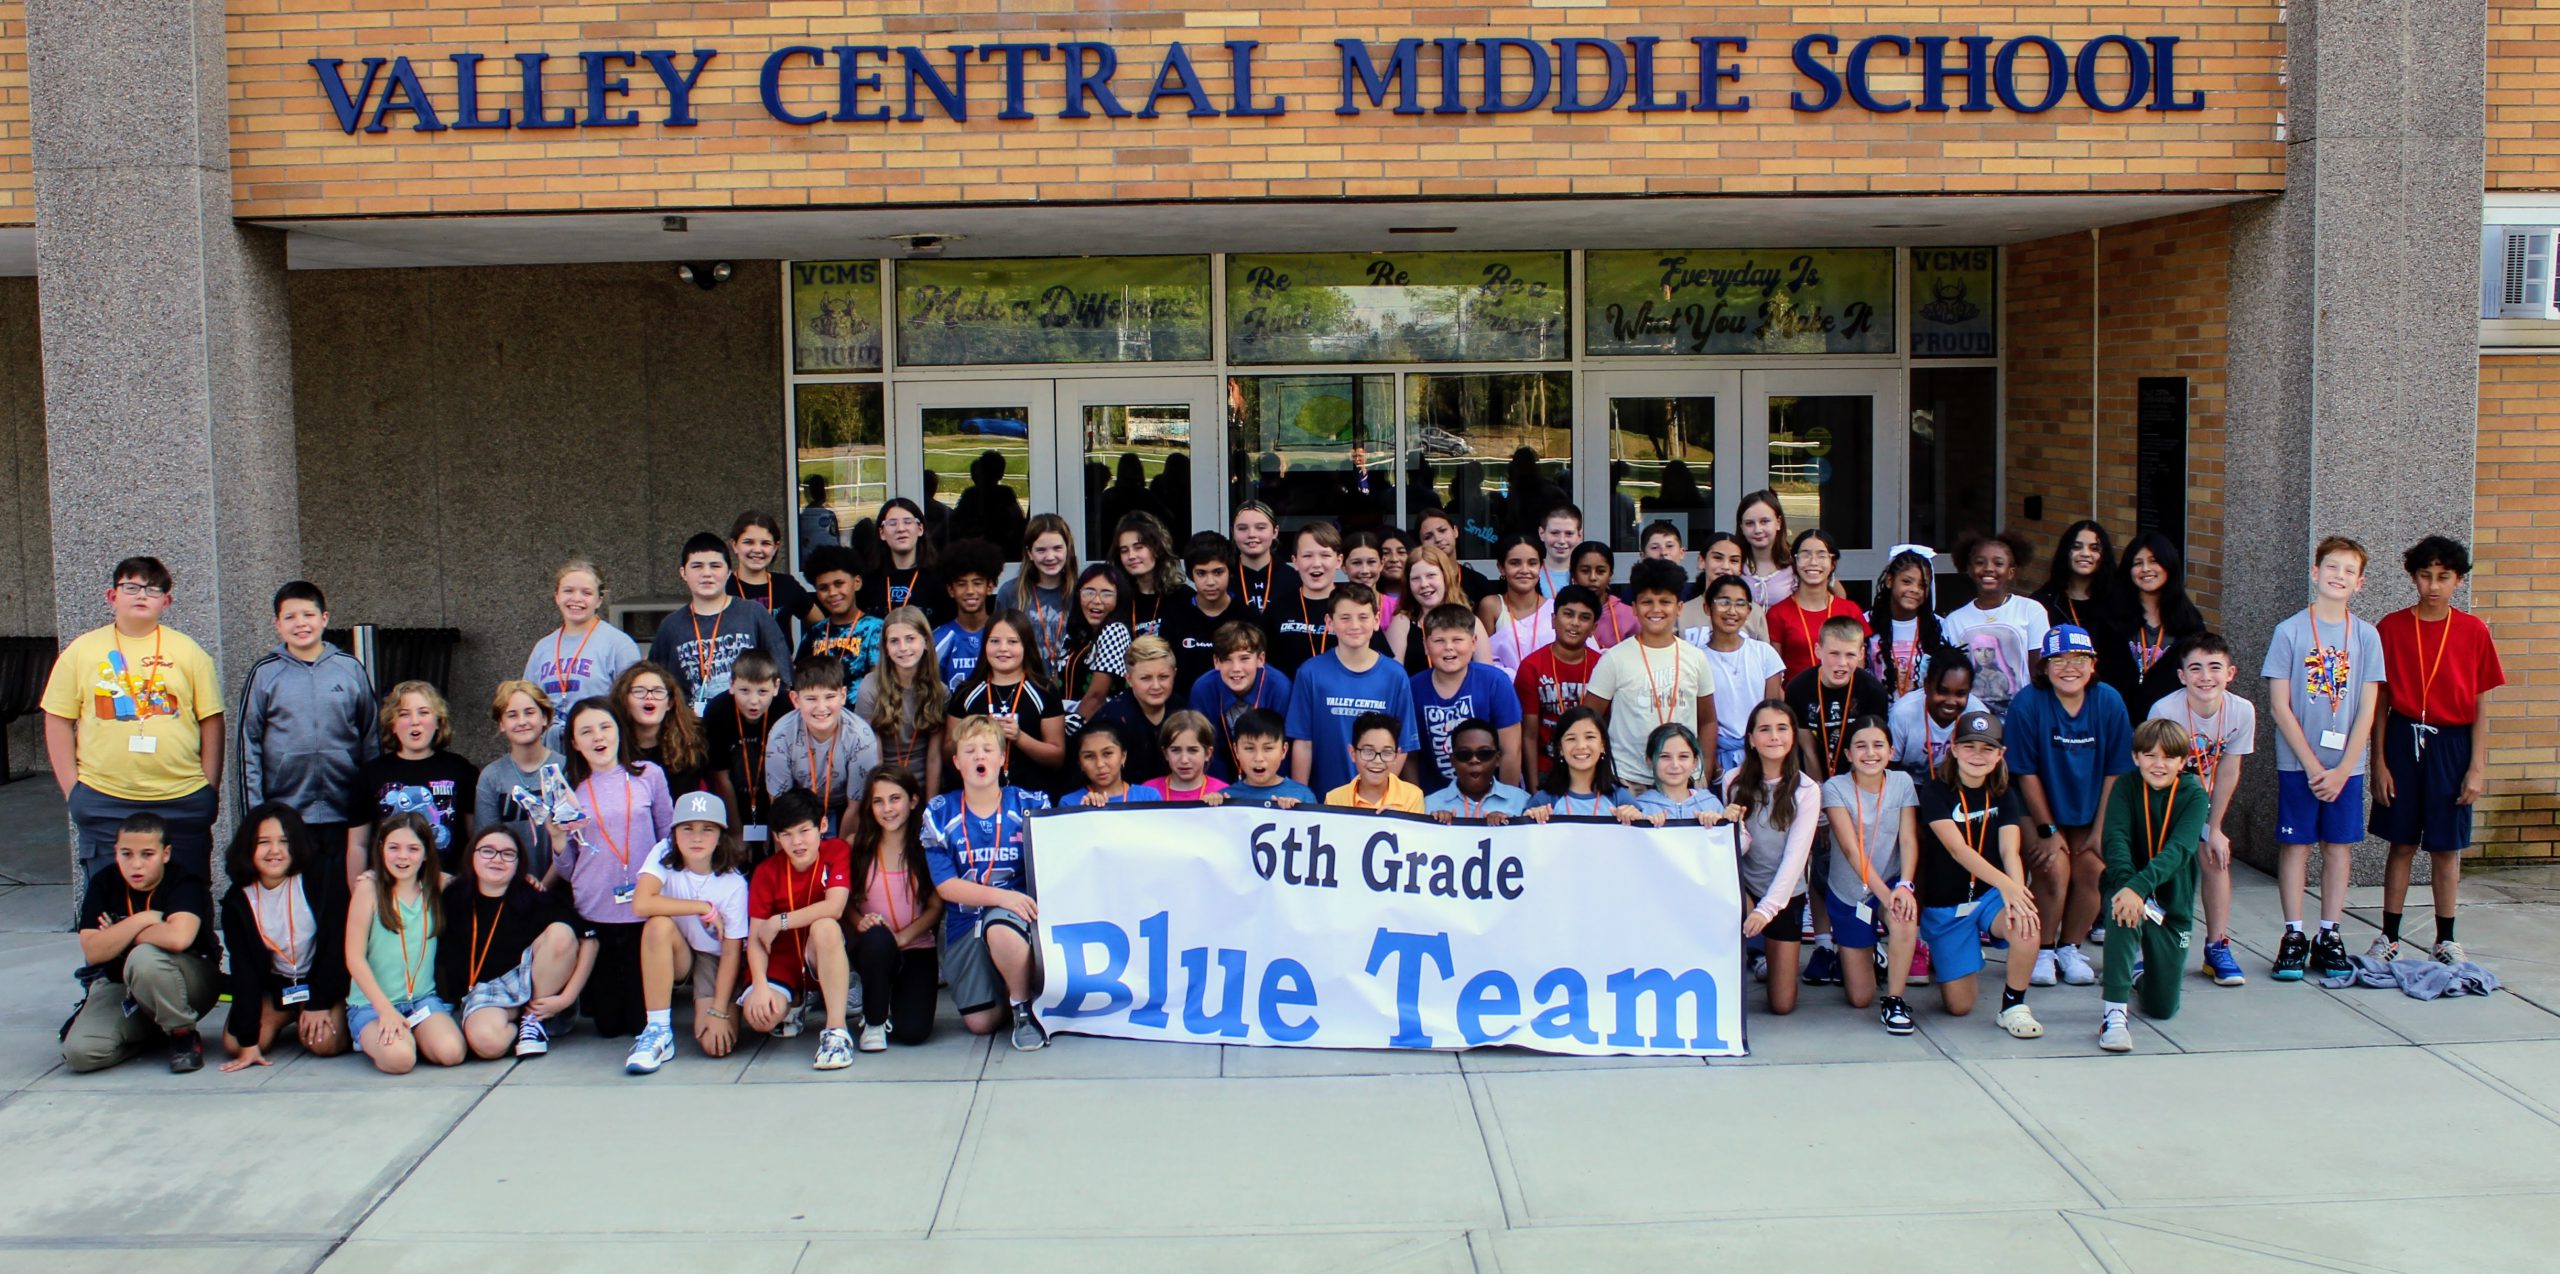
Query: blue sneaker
655, 1048
1822, 968
2218, 962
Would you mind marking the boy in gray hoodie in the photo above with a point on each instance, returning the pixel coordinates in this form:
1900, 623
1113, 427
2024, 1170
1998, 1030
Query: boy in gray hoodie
307, 720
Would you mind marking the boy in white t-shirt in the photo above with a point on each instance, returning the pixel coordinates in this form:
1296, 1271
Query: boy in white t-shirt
1998, 630
1652, 680
2224, 731
692, 902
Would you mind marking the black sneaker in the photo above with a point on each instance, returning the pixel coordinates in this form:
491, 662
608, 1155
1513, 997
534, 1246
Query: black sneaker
2293, 954
1896, 1016
186, 1052
2329, 955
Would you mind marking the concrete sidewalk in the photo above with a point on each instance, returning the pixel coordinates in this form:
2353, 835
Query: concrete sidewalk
2266, 1127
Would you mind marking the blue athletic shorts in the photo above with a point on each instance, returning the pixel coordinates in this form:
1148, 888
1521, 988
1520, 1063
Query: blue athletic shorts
2427, 779
1846, 929
2304, 819
1955, 941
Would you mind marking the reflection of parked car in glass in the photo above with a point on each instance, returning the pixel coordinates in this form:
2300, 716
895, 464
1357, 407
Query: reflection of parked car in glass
995, 427
1437, 441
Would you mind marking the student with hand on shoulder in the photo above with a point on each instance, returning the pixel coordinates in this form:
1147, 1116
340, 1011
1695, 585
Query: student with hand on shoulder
284, 919
307, 721
147, 952
512, 959
692, 904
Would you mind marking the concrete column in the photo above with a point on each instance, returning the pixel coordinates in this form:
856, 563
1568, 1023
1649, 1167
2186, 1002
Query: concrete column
2354, 400
166, 337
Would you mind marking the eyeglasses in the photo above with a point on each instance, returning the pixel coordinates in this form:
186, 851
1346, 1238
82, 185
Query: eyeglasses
1374, 754
1473, 754
131, 589
1732, 603
649, 693
494, 854
1811, 551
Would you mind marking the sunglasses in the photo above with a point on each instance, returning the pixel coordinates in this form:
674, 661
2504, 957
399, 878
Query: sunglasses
1473, 754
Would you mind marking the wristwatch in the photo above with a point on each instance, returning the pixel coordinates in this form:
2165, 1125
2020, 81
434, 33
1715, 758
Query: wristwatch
2047, 829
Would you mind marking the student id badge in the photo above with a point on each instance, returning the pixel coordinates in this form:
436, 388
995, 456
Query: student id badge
623, 894
143, 743
2333, 739
2151, 911
1965, 908
419, 1015
756, 834
298, 993
1866, 914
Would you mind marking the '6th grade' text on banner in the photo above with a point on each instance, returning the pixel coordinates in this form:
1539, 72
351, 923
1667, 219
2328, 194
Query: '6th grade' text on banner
1330, 929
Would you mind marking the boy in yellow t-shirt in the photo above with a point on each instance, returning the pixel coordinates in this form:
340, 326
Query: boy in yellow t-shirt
133, 725
1376, 754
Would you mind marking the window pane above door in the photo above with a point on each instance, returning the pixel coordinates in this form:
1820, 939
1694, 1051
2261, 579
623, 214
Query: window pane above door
1137, 459
1662, 465
977, 474
1305, 445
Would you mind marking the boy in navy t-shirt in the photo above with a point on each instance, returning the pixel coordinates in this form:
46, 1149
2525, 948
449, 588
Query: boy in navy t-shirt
1454, 689
2068, 742
1261, 747
1334, 688
1239, 682
973, 842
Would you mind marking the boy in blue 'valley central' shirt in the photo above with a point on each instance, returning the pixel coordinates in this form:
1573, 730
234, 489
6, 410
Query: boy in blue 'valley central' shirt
2067, 743
1334, 688
1456, 688
973, 843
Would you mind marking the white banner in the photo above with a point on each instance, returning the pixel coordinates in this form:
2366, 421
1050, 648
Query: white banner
1332, 929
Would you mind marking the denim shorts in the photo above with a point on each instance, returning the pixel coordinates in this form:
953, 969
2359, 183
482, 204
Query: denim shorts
361, 1013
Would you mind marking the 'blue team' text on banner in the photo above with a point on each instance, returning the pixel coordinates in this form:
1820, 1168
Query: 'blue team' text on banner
1331, 929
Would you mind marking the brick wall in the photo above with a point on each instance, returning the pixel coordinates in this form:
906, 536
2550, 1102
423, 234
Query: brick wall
2161, 287
2516, 535
291, 158
17, 167
2524, 94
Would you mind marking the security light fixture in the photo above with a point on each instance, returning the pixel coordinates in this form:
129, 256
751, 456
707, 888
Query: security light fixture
673, 225
922, 243
705, 275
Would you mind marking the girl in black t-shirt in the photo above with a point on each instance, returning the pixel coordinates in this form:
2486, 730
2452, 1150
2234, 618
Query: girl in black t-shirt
1971, 876
1010, 685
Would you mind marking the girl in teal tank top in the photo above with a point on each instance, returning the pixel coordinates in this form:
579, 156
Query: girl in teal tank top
392, 919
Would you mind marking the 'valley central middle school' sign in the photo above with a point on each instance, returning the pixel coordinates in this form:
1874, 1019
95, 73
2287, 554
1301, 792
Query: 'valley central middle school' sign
809, 85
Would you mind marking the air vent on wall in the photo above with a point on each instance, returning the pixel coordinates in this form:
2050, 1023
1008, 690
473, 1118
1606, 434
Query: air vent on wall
2517, 272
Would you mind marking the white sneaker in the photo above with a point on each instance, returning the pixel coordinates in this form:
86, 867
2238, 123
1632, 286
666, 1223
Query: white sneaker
2075, 966
655, 1048
2043, 975
2112, 1035
2020, 1021
875, 1039
2098, 933
790, 1024
835, 1050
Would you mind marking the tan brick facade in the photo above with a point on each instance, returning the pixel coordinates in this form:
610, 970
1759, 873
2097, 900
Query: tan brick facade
2162, 287
17, 170
2516, 536
2524, 94
292, 159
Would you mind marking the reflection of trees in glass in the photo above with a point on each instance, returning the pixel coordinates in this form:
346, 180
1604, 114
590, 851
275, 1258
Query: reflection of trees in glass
1496, 446
837, 436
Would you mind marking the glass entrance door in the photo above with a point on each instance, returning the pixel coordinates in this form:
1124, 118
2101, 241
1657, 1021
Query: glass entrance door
987, 454
980, 455
1659, 445
1137, 444
1818, 438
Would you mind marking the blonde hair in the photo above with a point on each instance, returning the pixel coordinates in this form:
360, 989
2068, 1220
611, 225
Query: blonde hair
1149, 649
907, 705
986, 727
578, 565
519, 686
435, 700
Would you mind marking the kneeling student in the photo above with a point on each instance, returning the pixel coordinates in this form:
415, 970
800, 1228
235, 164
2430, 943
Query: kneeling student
1873, 808
284, 918
1377, 752
2151, 834
795, 926
692, 905
149, 953
1475, 793
522, 965
394, 918
895, 914
973, 845
1971, 813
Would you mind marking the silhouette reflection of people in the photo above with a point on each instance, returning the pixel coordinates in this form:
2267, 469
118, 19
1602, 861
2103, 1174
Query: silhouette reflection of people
989, 510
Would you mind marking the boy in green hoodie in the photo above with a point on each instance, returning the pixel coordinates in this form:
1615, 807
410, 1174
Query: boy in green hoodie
2152, 829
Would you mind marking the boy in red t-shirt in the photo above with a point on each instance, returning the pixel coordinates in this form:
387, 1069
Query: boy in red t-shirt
1551, 678
795, 928
2431, 732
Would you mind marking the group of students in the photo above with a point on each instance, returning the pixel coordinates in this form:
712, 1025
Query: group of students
811, 800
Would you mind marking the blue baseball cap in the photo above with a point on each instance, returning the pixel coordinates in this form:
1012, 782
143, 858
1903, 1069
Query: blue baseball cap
2068, 639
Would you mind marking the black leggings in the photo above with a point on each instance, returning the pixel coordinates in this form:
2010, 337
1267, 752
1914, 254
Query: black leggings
898, 987
612, 996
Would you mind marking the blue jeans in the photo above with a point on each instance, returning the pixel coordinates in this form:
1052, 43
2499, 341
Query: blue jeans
190, 818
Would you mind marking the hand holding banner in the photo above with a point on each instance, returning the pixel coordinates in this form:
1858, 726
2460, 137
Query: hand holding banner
1326, 928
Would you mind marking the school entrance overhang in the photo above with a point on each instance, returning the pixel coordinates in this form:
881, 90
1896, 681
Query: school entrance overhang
1129, 229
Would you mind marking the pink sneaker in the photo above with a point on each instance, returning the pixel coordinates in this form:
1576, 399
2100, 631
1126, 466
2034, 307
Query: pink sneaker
1920, 964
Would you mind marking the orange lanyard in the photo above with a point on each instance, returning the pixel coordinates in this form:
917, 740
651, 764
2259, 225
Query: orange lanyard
2150, 642
2207, 763
1152, 621
1805, 628
479, 949
2161, 834
892, 889
144, 682
904, 594
130, 911
1520, 649
1858, 835
791, 881
1972, 837
2427, 684
408, 970
1831, 743
1661, 702
559, 670
968, 851
825, 779
1617, 626
1257, 598
1226, 737
749, 757
629, 799
1317, 642
258, 918
2337, 687
702, 650
765, 601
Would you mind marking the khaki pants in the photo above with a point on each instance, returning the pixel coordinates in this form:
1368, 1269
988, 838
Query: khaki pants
170, 991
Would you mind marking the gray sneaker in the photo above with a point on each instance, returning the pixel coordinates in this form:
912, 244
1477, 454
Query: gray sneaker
1028, 1034
2113, 1036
